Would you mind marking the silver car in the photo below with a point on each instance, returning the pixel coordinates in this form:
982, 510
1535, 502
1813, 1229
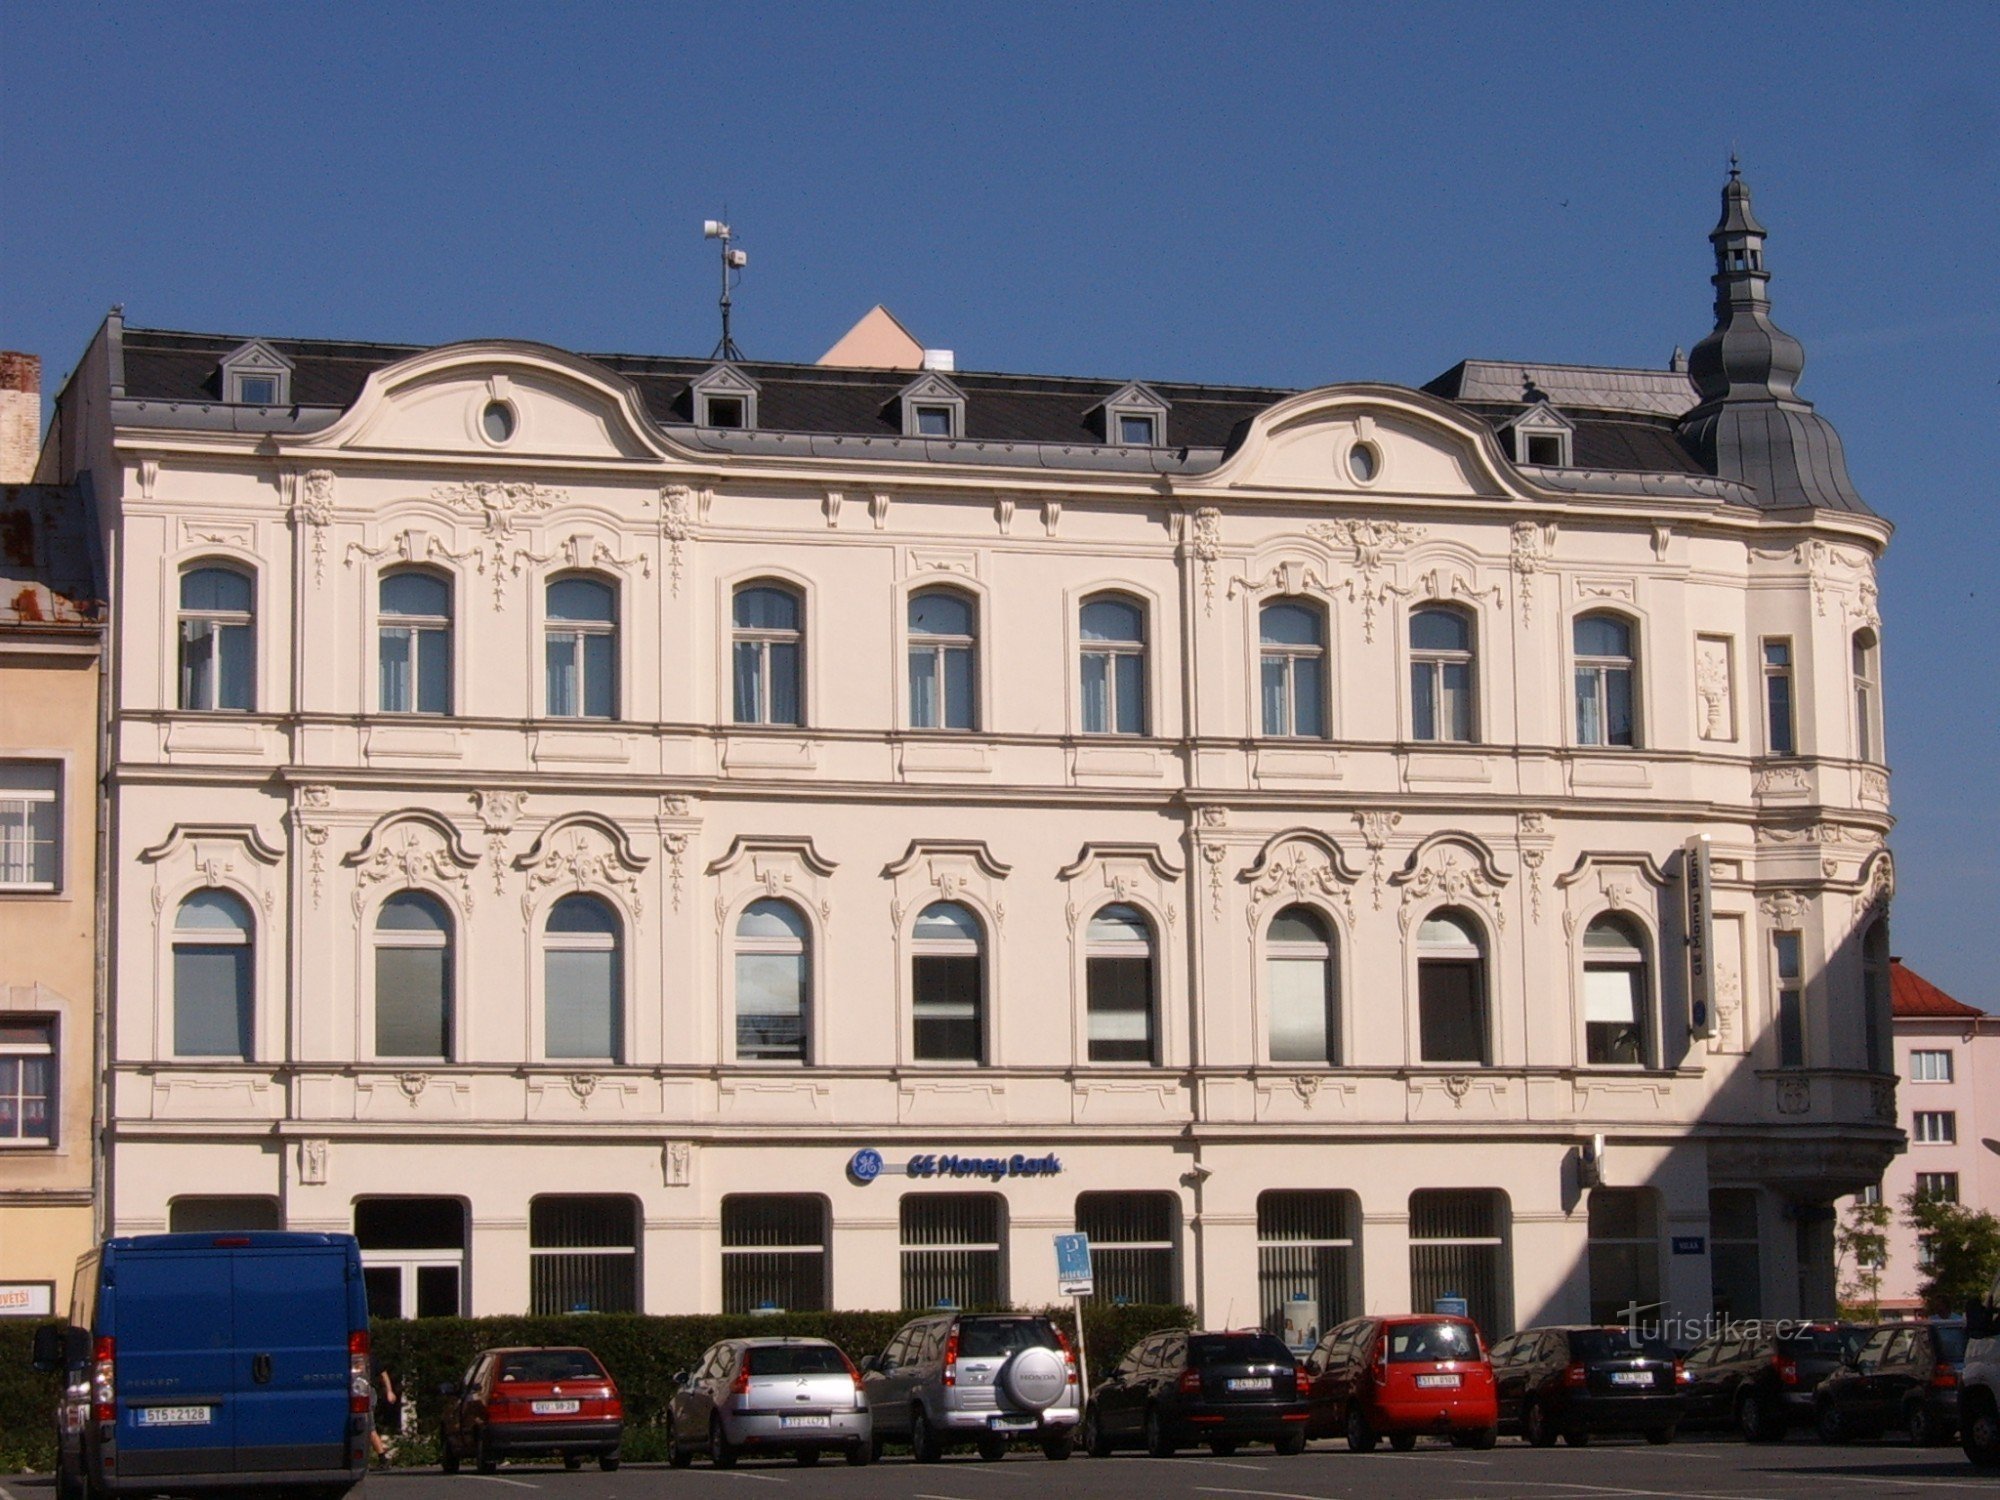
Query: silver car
797, 1396
988, 1379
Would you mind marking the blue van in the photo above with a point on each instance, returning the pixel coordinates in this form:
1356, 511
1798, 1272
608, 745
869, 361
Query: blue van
199, 1362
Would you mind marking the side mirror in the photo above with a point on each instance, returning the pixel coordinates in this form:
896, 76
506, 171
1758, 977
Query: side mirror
679, 1377
50, 1349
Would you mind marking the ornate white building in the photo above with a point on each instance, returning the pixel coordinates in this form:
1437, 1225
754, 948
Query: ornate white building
633, 832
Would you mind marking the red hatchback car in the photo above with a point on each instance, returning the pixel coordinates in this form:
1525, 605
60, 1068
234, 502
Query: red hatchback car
1400, 1378
519, 1403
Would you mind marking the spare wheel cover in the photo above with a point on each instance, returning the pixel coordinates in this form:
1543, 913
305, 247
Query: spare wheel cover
1035, 1378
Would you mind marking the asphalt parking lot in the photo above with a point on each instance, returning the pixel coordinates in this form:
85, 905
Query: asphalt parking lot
1691, 1469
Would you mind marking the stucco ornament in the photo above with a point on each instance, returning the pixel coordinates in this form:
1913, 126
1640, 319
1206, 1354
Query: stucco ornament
1713, 688
499, 505
1452, 872
314, 507
415, 855
680, 506
1301, 870
1206, 545
1371, 541
677, 1162
1376, 826
584, 859
312, 1163
1530, 544
498, 813
1794, 1096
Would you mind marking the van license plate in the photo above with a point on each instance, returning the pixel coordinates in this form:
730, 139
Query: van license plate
1437, 1382
1250, 1385
1631, 1377
555, 1408
1011, 1424
172, 1416
805, 1421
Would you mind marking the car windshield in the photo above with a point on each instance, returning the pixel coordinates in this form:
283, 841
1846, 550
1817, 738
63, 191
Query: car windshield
1616, 1343
989, 1337
797, 1359
542, 1366
1951, 1344
1237, 1349
1410, 1343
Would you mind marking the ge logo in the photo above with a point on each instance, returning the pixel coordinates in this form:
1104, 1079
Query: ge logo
865, 1165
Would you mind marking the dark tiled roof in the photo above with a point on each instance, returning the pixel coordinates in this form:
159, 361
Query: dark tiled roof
46, 575
1910, 994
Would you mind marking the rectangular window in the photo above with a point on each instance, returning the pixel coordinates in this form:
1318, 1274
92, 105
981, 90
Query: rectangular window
256, 390
952, 1250
1624, 1255
1735, 1271
1926, 1251
946, 1007
1450, 1011
27, 1081
1941, 1186
774, 1254
412, 1002
1869, 1196
1788, 960
412, 1255
30, 825
1136, 432
1458, 1248
1132, 1241
1307, 1249
934, 421
583, 1255
1121, 1009
1930, 1066
1935, 1127
212, 1000
1780, 726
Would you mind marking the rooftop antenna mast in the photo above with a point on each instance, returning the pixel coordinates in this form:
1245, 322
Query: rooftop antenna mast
733, 261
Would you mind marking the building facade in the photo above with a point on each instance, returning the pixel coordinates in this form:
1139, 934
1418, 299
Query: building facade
51, 627
1948, 1062
649, 833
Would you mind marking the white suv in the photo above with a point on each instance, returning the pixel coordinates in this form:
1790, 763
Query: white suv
1979, 1382
988, 1379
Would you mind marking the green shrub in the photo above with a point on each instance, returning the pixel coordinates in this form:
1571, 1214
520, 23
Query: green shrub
27, 1403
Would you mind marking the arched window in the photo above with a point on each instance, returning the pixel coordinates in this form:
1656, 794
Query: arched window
767, 645
1876, 1025
944, 661
948, 985
218, 639
773, 980
1867, 696
1113, 629
413, 977
583, 980
582, 649
1298, 970
414, 644
1118, 958
1292, 656
214, 965
1451, 989
1606, 679
1443, 675
1615, 992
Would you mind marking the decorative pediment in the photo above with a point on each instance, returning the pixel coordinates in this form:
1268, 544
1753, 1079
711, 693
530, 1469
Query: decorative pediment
584, 852
188, 837
417, 848
1139, 401
1605, 865
1456, 869
973, 851
618, 842
1300, 864
947, 870
1123, 873
775, 868
255, 374
723, 396
744, 848
931, 391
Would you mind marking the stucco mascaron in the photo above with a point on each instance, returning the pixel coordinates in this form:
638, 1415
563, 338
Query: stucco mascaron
314, 807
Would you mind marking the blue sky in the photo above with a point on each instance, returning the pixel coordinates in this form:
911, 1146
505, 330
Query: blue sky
1264, 193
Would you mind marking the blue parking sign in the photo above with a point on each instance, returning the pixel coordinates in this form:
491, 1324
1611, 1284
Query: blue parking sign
1073, 1277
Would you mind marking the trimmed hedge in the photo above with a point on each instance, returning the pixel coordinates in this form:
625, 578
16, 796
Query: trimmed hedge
642, 1354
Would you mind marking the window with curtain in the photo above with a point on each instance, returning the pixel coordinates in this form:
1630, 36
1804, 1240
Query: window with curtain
413, 977
1292, 668
583, 984
948, 985
218, 640
30, 825
1606, 679
944, 661
1443, 678
1615, 1002
773, 975
1451, 989
1118, 965
581, 642
27, 1079
414, 644
767, 649
1113, 632
214, 961
1867, 696
1299, 984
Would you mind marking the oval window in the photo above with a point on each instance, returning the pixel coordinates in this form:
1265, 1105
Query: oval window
498, 420
1363, 462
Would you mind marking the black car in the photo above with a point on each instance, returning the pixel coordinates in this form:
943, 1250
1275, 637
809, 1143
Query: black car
1904, 1376
1176, 1388
1573, 1382
1760, 1377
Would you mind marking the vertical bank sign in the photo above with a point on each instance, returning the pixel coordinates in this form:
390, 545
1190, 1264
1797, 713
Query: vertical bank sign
1700, 937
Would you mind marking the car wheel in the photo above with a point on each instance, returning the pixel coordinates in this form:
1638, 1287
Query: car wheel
1830, 1424
483, 1457
572, 1461
1095, 1443
1402, 1442
721, 1452
1577, 1438
1659, 1437
924, 1445
679, 1456
1979, 1433
1922, 1425
1536, 1426
1059, 1447
1159, 1442
447, 1458
805, 1458
1222, 1447
1757, 1422
991, 1449
1361, 1438
607, 1463
860, 1453
1291, 1443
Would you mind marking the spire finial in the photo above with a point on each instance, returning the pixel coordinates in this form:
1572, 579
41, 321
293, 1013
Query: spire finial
1734, 171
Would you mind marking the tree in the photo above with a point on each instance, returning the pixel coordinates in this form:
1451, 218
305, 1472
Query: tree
1964, 1251
1861, 1245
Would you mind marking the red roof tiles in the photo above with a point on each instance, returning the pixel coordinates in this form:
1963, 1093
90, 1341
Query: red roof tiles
1910, 994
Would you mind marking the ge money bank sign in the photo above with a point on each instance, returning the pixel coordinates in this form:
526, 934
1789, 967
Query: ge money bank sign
867, 1164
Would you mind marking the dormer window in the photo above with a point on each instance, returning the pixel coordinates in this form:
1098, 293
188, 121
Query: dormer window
1543, 448
725, 397
255, 374
1133, 416
1541, 437
933, 407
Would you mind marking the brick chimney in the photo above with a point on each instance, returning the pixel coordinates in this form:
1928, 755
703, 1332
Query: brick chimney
20, 415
